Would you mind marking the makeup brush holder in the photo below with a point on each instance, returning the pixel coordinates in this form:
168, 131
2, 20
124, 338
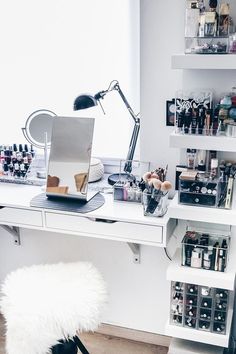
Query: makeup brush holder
204, 250
199, 307
155, 203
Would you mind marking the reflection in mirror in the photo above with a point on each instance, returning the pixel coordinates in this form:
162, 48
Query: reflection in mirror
69, 160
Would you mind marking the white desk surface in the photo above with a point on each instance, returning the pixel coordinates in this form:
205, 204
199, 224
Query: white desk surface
19, 196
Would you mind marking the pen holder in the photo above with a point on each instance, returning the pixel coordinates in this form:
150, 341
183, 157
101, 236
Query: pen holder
155, 204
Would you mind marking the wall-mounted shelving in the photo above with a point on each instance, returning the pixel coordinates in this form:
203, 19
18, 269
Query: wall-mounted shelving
219, 143
222, 340
210, 278
197, 213
203, 61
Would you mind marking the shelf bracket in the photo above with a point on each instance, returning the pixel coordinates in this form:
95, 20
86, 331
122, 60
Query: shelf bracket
135, 248
14, 231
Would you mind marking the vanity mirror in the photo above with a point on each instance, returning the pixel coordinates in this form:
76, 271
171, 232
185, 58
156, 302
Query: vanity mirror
38, 131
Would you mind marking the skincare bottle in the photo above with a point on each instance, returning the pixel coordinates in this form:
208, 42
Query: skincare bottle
196, 260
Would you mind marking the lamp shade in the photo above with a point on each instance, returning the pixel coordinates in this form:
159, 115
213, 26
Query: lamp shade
84, 101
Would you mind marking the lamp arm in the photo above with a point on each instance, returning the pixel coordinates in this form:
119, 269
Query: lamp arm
117, 88
132, 145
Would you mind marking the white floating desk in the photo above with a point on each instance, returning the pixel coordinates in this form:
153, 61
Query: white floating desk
119, 221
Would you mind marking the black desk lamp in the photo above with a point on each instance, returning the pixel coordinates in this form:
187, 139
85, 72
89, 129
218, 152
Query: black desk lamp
86, 101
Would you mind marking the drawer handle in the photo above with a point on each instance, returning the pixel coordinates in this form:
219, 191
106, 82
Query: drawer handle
103, 220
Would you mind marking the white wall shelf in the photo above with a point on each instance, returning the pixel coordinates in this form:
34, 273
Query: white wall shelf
218, 143
224, 280
201, 336
203, 61
197, 213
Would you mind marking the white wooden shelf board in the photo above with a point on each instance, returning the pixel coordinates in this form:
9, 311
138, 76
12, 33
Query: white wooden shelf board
201, 61
197, 213
219, 143
201, 336
224, 280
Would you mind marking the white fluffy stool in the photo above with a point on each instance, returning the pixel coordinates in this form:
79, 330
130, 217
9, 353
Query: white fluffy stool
43, 304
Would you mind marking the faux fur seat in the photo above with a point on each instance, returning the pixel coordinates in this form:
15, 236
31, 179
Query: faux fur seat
43, 304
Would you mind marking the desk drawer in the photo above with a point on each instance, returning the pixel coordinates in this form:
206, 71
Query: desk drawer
122, 230
20, 216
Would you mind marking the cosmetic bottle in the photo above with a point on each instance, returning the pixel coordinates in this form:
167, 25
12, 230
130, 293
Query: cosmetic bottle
194, 121
204, 325
221, 261
192, 289
191, 158
222, 294
187, 122
216, 255
201, 161
218, 327
138, 193
215, 123
125, 190
201, 120
206, 302
219, 316
130, 192
180, 120
196, 260
214, 168
5, 168
188, 253
208, 121
207, 258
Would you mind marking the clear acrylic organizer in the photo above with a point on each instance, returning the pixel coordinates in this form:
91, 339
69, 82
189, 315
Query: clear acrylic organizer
128, 187
205, 250
155, 204
199, 307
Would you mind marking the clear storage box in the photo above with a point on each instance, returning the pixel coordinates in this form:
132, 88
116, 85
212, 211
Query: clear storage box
202, 191
129, 186
199, 307
155, 204
206, 45
205, 250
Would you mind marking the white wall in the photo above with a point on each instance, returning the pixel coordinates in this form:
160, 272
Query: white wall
139, 294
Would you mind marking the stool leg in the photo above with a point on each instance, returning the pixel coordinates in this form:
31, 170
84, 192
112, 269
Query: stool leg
80, 345
65, 347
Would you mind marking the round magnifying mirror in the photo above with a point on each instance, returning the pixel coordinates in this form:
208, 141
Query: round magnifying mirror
38, 128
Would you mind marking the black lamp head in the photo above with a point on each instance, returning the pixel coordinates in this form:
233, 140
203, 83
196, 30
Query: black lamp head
84, 101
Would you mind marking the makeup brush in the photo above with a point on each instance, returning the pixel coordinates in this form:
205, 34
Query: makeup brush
166, 186
147, 176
